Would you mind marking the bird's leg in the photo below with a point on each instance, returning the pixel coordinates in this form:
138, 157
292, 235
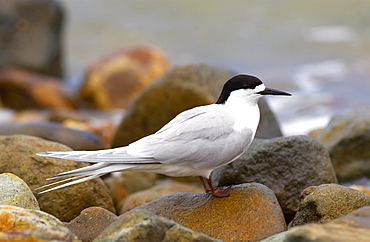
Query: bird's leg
204, 184
218, 192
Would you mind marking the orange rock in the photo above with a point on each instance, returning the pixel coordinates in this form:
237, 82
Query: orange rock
14, 218
139, 198
23, 90
19, 224
115, 80
250, 213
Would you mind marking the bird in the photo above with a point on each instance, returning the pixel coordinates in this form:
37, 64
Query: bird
194, 143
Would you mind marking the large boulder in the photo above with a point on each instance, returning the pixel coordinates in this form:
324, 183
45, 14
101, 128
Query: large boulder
353, 227
347, 138
327, 202
250, 213
287, 165
73, 138
31, 35
25, 90
18, 156
180, 89
115, 80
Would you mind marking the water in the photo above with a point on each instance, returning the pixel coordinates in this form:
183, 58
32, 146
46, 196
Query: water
317, 50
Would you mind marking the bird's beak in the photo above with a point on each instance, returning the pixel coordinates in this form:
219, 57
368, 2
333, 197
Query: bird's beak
270, 91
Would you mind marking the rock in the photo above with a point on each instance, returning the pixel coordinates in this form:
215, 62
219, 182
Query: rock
153, 193
19, 224
287, 165
353, 227
18, 156
14, 191
141, 225
76, 139
250, 213
363, 189
91, 222
326, 202
129, 182
31, 35
347, 138
180, 89
115, 80
25, 90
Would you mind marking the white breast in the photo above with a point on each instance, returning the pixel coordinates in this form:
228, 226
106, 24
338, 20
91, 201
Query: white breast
242, 105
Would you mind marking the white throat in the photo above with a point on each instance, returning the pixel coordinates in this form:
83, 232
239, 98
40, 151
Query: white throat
243, 105
245, 96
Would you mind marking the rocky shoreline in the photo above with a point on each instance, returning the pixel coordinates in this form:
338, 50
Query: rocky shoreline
281, 188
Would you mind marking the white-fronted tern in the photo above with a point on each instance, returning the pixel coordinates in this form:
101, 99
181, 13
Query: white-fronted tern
194, 143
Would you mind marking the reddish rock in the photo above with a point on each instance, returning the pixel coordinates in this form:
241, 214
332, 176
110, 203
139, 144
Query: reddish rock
115, 80
25, 90
155, 192
91, 222
250, 213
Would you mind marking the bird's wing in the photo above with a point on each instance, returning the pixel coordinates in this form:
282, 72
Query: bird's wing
184, 116
120, 155
201, 138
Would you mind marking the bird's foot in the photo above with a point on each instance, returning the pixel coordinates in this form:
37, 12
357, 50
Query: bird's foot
221, 192
218, 192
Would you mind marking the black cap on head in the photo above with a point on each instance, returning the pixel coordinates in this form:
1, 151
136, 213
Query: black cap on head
236, 83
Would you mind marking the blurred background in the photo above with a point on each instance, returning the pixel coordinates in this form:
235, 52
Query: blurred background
318, 50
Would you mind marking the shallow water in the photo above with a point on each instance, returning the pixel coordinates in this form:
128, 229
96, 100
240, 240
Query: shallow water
317, 50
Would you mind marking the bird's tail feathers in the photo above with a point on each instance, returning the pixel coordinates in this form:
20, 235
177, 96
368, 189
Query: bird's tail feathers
117, 155
79, 179
83, 174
